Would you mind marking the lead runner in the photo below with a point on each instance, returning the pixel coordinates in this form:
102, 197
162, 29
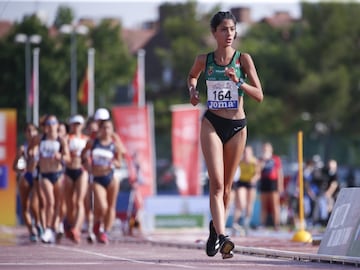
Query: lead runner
223, 127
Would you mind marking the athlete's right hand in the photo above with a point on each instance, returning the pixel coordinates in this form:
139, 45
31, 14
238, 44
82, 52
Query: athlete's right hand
194, 96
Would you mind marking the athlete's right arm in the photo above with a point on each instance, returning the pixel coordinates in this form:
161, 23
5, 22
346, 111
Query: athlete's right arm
195, 71
32, 145
19, 154
85, 154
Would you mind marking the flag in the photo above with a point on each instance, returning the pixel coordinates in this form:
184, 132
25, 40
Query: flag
83, 92
135, 87
31, 93
138, 83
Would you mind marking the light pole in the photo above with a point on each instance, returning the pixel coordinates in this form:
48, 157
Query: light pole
73, 31
27, 40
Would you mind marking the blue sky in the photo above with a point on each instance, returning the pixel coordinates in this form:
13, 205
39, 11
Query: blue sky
133, 13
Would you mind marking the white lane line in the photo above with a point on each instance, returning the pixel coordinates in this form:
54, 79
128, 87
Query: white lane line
49, 263
122, 258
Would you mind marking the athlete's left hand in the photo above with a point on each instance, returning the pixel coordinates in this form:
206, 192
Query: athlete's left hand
230, 72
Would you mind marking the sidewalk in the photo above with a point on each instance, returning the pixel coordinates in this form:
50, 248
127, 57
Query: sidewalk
263, 243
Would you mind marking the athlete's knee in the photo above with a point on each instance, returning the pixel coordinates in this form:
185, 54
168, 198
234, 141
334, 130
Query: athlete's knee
216, 186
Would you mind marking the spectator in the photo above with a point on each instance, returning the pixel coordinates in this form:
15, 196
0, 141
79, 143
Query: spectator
245, 188
327, 186
271, 185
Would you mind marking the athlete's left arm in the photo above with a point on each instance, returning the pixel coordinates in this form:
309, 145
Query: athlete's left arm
65, 150
253, 88
118, 155
257, 174
281, 183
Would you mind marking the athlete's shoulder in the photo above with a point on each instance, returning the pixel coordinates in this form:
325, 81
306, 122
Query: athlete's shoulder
245, 57
201, 58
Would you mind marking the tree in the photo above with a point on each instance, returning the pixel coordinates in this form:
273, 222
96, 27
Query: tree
311, 67
12, 63
114, 64
64, 15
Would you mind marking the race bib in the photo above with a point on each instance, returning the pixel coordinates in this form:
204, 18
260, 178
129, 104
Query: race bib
222, 95
102, 157
48, 148
76, 145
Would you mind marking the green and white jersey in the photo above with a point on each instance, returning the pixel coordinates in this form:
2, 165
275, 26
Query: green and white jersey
222, 93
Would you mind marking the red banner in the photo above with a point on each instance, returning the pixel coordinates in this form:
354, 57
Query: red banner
186, 148
134, 126
8, 135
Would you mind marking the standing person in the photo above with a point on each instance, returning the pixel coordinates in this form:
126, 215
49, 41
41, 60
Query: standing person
245, 189
105, 156
53, 151
76, 180
25, 166
223, 127
271, 185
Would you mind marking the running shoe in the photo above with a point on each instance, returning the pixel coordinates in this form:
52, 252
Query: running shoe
226, 247
96, 228
103, 238
67, 229
212, 244
75, 235
33, 238
68, 233
48, 236
39, 230
91, 238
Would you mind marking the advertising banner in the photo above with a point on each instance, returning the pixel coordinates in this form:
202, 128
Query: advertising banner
134, 125
7, 175
186, 148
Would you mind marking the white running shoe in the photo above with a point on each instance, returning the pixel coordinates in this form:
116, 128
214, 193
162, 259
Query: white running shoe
48, 236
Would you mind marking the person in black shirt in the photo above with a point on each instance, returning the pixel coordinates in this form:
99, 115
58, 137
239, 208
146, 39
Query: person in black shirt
327, 185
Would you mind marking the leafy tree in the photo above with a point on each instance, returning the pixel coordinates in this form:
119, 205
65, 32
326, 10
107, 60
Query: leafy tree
12, 65
113, 63
310, 67
64, 15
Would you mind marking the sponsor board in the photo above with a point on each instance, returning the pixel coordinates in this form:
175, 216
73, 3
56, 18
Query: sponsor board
342, 234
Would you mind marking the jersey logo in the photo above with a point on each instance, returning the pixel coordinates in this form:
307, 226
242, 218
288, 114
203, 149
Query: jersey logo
210, 70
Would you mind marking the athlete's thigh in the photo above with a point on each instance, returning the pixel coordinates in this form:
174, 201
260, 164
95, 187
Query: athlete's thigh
48, 190
212, 149
112, 192
99, 196
81, 186
24, 189
233, 150
59, 191
242, 194
68, 187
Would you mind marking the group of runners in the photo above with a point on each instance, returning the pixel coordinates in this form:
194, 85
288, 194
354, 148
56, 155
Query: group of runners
66, 177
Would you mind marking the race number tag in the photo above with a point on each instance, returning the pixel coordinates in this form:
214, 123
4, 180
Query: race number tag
222, 95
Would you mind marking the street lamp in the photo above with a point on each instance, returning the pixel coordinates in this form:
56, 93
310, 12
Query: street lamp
27, 40
73, 30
